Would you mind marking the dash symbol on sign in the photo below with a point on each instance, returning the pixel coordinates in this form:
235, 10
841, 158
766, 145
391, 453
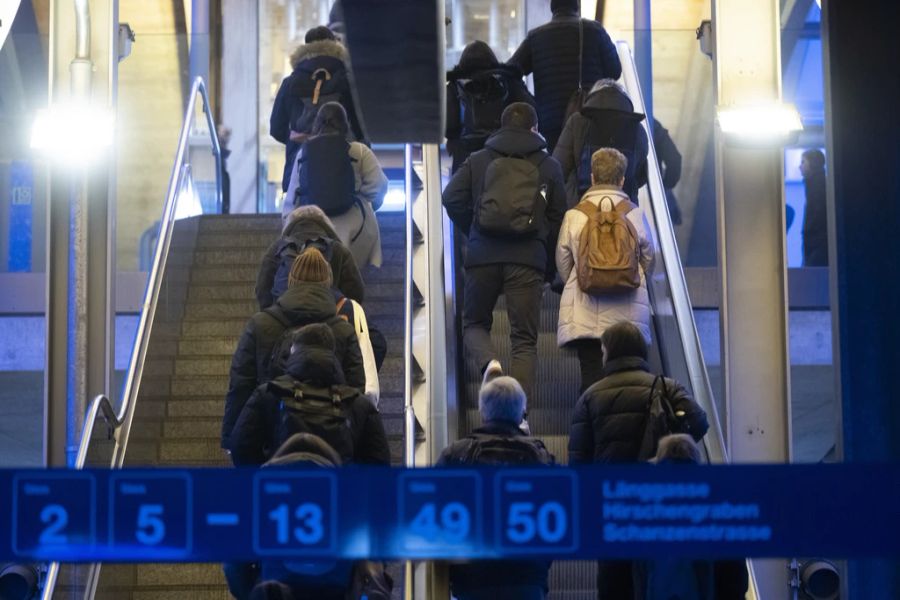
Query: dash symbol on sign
222, 519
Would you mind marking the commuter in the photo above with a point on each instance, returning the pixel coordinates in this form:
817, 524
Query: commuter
670, 166
306, 225
508, 199
663, 579
555, 53
499, 441
478, 89
815, 218
311, 397
264, 346
612, 417
224, 134
607, 120
319, 75
372, 343
344, 179
586, 310
306, 579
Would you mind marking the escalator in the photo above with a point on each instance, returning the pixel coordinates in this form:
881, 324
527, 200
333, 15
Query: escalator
675, 352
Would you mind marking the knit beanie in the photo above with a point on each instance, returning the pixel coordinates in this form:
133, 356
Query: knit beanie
310, 267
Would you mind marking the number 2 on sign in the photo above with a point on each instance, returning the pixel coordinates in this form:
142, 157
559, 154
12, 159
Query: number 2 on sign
56, 517
310, 529
452, 524
549, 524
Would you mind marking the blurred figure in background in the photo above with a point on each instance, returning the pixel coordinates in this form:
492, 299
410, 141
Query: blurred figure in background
670, 166
815, 218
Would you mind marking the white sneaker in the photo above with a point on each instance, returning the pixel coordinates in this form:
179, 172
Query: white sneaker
493, 370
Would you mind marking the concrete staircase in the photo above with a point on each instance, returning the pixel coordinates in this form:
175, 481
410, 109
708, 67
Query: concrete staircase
206, 300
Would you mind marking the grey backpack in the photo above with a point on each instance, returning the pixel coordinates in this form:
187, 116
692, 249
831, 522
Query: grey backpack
513, 199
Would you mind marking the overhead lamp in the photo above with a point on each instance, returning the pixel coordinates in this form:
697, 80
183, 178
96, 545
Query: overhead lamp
74, 135
760, 123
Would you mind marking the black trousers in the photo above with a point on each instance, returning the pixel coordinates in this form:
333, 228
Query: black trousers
590, 358
522, 287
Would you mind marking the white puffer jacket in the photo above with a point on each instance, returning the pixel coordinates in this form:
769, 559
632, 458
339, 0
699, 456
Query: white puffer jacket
584, 316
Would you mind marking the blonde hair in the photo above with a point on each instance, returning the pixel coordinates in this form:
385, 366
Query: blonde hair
608, 166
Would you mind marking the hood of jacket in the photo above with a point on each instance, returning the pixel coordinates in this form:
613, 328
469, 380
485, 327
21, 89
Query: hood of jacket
329, 48
515, 141
308, 303
308, 226
611, 98
460, 72
305, 448
315, 366
625, 363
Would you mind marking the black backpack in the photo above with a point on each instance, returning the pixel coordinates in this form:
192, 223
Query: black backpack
281, 351
482, 99
513, 198
607, 129
287, 251
326, 175
310, 90
320, 411
661, 420
515, 450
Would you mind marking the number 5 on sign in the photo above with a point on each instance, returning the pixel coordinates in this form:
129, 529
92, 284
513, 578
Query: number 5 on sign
151, 514
536, 511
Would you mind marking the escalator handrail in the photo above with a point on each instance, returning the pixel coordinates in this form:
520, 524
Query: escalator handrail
120, 421
681, 301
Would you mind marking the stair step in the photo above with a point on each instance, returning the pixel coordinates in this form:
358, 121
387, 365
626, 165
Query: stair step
232, 327
234, 223
203, 366
205, 428
242, 274
191, 451
223, 309
260, 240
196, 573
231, 256
212, 346
201, 406
206, 293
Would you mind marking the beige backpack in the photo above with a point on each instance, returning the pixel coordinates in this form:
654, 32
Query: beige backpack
608, 250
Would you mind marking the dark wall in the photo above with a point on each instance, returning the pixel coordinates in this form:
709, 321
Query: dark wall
862, 58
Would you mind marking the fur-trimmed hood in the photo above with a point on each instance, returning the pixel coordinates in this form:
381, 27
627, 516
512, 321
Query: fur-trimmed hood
309, 220
329, 48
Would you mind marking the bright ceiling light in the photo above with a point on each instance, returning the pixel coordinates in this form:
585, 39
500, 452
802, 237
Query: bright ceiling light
768, 122
73, 135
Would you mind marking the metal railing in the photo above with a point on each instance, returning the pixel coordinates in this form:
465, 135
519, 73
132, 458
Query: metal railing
120, 421
676, 301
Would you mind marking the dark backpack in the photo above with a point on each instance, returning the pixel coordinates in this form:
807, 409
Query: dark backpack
281, 351
310, 90
607, 129
516, 450
482, 99
513, 198
320, 411
287, 251
326, 175
661, 419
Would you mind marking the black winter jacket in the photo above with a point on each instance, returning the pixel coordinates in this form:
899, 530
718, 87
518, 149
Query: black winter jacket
255, 436
607, 102
815, 222
327, 54
461, 142
494, 574
467, 183
300, 305
610, 417
344, 269
551, 53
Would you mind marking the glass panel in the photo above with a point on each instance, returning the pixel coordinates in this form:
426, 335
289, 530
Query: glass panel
23, 197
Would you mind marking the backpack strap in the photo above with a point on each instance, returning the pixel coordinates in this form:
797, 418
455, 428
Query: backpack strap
586, 208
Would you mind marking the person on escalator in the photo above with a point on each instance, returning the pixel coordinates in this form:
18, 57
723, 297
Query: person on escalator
306, 226
551, 53
612, 421
670, 166
319, 75
264, 347
499, 442
478, 89
607, 120
344, 179
604, 255
311, 397
508, 199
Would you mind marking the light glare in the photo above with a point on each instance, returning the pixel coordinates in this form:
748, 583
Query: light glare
74, 135
760, 122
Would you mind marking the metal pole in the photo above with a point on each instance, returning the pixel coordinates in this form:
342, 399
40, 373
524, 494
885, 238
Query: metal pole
643, 54
752, 256
199, 53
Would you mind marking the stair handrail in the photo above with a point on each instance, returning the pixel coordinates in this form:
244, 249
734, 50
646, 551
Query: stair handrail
120, 421
713, 441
